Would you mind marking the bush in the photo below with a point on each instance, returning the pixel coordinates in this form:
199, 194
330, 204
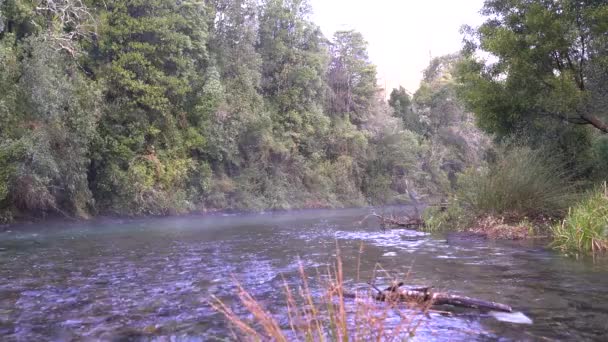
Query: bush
453, 217
523, 183
585, 228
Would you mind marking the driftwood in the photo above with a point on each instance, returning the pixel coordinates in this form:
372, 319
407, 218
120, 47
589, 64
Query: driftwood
425, 295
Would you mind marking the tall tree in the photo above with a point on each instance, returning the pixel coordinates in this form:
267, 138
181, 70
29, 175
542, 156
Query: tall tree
436, 101
293, 56
551, 63
294, 63
352, 77
455, 142
232, 40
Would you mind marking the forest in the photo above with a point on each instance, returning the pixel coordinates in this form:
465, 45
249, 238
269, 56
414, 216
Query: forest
160, 107
163, 107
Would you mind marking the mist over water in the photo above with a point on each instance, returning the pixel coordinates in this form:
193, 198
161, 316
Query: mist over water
150, 279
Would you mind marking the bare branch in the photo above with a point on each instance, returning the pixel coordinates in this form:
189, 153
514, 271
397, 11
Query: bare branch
69, 21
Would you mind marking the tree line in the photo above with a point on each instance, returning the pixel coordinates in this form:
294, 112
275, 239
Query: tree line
158, 107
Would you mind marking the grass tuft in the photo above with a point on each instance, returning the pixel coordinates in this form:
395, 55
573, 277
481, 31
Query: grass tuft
585, 228
525, 182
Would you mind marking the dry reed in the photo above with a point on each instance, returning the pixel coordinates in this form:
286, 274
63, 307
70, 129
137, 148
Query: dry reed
331, 315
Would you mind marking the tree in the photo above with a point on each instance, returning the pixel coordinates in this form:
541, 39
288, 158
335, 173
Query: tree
158, 106
48, 109
352, 77
44, 152
551, 63
232, 40
436, 101
454, 141
153, 59
294, 63
401, 102
293, 57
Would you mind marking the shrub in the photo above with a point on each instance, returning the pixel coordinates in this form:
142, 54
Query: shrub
452, 217
585, 228
523, 183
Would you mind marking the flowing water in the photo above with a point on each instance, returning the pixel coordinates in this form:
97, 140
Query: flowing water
150, 279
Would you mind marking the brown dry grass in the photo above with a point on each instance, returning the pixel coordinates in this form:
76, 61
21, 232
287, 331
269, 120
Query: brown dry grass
335, 315
498, 228
511, 227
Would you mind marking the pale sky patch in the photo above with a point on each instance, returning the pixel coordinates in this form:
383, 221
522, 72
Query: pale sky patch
401, 33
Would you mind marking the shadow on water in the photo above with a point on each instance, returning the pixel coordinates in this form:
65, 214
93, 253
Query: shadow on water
149, 278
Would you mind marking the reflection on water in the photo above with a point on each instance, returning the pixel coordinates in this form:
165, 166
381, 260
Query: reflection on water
150, 279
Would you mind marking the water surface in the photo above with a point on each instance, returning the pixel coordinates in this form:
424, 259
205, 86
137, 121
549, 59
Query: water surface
149, 279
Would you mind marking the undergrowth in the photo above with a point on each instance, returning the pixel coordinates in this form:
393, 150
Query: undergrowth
525, 182
524, 187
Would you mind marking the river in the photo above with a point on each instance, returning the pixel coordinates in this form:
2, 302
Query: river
150, 279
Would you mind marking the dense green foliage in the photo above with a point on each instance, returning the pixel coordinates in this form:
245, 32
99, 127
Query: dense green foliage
541, 92
585, 228
545, 79
551, 62
156, 107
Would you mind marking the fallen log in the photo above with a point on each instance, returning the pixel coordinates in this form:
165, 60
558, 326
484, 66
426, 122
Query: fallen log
425, 296
441, 298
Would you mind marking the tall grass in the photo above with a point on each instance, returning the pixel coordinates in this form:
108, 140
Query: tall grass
524, 182
522, 185
334, 315
585, 228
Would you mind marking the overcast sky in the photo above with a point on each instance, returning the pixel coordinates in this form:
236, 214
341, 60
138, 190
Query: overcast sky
400, 33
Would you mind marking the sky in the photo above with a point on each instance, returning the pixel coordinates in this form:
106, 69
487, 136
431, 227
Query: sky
402, 34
